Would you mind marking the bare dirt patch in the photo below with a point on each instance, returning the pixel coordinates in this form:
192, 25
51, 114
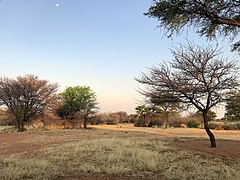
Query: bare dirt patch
225, 148
31, 143
194, 140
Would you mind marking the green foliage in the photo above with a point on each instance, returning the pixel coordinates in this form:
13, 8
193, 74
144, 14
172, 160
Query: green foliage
233, 106
209, 18
110, 122
78, 101
148, 116
210, 115
148, 112
140, 123
192, 123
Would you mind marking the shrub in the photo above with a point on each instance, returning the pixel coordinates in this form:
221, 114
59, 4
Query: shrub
228, 126
8, 122
232, 126
96, 121
238, 126
216, 125
132, 120
139, 123
176, 121
157, 122
111, 122
192, 123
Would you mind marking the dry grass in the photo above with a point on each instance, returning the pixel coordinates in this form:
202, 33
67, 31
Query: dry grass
145, 157
174, 132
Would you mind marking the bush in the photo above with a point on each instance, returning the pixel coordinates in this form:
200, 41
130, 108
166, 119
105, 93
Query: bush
158, 123
111, 122
176, 122
228, 126
232, 126
96, 121
8, 122
238, 126
216, 125
192, 123
139, 123
132, 121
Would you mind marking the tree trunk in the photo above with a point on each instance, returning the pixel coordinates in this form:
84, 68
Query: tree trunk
210, 134
85, 123
166, 119
20, 125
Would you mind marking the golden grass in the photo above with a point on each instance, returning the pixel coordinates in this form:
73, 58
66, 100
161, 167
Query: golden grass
173, 132
146, 157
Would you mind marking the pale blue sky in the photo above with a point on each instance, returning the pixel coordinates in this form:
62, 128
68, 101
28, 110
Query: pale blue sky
103, 44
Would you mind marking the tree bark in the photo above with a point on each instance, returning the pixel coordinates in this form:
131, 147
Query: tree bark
85, 123
210, 134
20, 125
166, 119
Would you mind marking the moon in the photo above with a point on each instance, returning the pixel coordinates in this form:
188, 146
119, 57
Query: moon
57, 5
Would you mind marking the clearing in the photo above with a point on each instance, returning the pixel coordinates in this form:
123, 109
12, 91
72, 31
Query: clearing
119, 152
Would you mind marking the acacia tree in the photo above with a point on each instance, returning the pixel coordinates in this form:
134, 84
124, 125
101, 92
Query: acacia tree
147, 113
233, 106
211, 115
209, 17
27, 97
196, 76
166, 101
78, 101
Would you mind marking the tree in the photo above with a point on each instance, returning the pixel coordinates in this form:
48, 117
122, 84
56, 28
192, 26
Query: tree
123, 116
196, 76
209, 17
148, 113
211, 115
233, 106
167, 102
27, 97
78, 101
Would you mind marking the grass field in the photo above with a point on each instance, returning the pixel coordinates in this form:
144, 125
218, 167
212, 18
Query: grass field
111, 152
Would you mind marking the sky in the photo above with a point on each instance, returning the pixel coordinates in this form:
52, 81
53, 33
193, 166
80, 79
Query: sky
103, 44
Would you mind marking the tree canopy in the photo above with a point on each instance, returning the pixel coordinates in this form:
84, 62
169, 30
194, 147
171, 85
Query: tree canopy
211, 115
80, 101
196, 76
210, 18
147, 113
27, 97
165, 101
233, 106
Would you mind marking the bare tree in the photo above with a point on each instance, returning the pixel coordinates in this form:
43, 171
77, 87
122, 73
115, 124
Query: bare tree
196, 76
26, 97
